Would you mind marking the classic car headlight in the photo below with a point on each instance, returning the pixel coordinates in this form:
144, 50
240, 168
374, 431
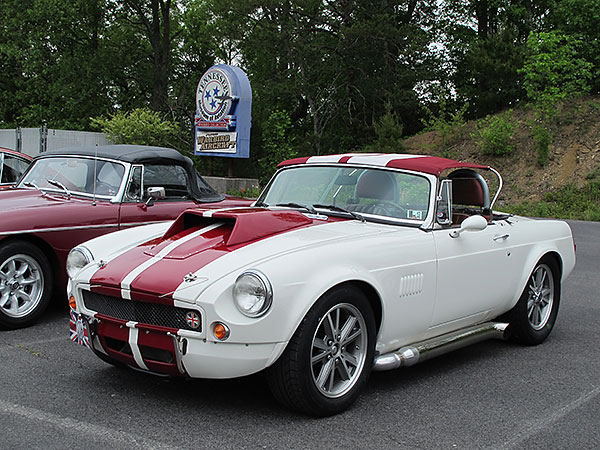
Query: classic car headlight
252, 293
78, 258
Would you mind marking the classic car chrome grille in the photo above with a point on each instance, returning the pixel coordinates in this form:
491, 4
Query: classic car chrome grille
142, 312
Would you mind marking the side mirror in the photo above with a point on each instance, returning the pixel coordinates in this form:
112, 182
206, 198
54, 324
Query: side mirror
472, 223
155, 193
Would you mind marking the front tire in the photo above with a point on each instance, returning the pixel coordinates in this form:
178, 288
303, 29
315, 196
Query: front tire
534, 315
25, 284
328, 360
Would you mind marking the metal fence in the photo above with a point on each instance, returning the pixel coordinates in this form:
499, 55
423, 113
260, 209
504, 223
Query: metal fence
33, 141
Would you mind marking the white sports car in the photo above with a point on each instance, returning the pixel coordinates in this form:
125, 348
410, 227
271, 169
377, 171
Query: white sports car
345, 264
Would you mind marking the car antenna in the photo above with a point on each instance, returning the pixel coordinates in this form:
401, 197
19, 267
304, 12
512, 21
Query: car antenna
95, 174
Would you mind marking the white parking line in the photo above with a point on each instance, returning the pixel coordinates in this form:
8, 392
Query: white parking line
544, 422
76, 427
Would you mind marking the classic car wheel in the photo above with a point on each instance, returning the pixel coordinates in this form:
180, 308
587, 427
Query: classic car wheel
25, 284
329, 358
534, 315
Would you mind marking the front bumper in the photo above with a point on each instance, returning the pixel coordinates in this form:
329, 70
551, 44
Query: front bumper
176, 352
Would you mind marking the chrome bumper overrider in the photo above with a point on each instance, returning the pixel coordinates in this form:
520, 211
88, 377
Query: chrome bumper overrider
430, 348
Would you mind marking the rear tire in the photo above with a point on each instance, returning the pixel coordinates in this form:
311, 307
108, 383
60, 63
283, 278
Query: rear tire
328, 360
534, 315
25, 284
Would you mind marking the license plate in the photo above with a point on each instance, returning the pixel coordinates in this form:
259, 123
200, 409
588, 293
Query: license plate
78, 329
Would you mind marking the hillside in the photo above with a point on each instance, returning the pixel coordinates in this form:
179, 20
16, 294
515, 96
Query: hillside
574, 151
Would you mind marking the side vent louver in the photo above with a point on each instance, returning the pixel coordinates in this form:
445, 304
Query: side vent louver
411, 285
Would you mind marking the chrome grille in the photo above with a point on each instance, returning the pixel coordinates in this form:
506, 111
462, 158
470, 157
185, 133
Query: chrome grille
137, 311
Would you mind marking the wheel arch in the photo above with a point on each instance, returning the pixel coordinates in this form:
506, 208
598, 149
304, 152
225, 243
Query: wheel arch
372, 296
533, 260
45, 248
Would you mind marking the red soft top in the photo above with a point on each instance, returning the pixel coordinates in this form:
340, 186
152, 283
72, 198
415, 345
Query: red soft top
434, 165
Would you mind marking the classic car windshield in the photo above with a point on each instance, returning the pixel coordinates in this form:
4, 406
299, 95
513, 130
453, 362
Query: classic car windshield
76, 175
377, 192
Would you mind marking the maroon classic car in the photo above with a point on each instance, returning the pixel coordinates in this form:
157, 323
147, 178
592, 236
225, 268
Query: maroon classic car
12, 166
71, 195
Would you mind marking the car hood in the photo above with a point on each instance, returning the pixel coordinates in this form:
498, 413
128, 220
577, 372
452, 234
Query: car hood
199, 238
29, 209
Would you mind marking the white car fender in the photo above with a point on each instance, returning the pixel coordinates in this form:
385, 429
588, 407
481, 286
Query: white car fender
561, 246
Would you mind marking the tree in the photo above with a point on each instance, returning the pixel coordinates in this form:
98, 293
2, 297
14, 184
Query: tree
554, 70
155, 19
487, 45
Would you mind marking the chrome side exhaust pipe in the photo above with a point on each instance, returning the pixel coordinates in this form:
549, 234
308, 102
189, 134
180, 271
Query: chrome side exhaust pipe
430, 348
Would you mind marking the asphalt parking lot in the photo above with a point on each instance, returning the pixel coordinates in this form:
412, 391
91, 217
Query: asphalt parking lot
55, 394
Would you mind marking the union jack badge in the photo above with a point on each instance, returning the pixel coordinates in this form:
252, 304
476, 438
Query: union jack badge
78, 329
192, 318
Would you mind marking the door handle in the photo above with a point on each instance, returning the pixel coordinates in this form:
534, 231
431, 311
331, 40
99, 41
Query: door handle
501, 237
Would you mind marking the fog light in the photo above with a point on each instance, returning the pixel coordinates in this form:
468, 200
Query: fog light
221, 331
72, 302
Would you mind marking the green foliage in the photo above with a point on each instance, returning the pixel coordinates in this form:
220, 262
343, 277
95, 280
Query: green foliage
277, 144
389, 133
579, 19
494, 134
141, 126
593, 174
447, 122
487, 74
554, 70
542, 139
567, 202
252, 192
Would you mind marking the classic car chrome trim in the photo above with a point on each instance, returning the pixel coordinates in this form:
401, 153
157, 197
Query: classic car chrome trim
430, 348
499, 187
80, 227
180, 349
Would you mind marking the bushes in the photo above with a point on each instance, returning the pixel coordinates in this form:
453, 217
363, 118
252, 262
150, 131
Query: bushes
494, 134
567, 202
542, 140
141, 126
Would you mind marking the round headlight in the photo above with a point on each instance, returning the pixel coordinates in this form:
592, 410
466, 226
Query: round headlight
78, 258
252, 293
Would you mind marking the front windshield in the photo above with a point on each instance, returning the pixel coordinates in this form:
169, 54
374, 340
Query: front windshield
369, 192
76, 175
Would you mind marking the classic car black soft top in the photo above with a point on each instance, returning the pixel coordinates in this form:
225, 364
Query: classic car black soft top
128, 153
142, 154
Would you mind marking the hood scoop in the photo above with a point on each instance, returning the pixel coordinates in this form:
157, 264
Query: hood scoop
247, 225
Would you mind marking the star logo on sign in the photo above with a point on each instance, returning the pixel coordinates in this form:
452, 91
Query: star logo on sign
207, 95
216, 91
213, 104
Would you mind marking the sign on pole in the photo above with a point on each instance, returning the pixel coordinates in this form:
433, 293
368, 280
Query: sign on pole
223, 113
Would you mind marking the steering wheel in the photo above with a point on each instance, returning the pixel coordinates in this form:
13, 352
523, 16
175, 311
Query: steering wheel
391, 209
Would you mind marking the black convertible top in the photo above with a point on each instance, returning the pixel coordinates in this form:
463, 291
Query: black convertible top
127, 153
142, 154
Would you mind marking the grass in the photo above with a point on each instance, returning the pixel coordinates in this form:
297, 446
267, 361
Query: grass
567, 202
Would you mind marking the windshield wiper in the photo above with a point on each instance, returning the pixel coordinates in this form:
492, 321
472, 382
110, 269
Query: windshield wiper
35, 186
298, 205
59, 185
342, 210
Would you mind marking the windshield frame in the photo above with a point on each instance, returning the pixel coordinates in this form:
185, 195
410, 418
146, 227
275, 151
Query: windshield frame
54, 190
426, 223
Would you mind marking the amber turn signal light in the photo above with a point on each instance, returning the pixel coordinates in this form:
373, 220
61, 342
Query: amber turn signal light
72, 302
221, 331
